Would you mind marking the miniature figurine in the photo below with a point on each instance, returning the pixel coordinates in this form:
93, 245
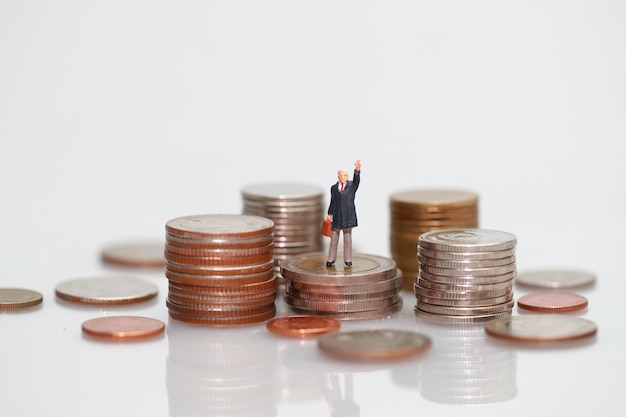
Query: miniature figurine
342, 213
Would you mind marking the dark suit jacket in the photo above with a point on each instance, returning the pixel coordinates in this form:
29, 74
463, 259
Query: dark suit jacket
342, 204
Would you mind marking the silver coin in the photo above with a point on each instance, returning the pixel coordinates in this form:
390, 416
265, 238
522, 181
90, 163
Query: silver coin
467, 256
467, 240
555, 278
379, 344
466, 311
358, 315
461, 295
340, 306
541, 328
106, 290
375, 287
456, 264
339, 297
459, 320
469, 272
464, 302
467, 280
311, 268
433, 285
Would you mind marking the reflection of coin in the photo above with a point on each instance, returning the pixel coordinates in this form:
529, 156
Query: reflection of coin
552, 302
123, 327
555, 278
541, 328
377, 344
134, 254
14, 298
302, 326
106, 290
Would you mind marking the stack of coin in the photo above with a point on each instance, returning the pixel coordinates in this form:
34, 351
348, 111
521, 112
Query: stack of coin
413, 212
369, 289
297, 211
220, 269
465, 275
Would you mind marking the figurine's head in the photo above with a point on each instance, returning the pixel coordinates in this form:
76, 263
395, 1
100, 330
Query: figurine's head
342, 176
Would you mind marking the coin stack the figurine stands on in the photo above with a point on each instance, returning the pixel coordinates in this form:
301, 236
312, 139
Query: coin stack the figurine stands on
417, 211
465, 275
367, 290
297, 211
220, 269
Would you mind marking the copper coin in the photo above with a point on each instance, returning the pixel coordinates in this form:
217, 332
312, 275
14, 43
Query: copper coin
379, 344
541, 328
123, 327
552, 302
555, 278
106, 290
135, 254
302, 326
237, 320
436, 198
17, 298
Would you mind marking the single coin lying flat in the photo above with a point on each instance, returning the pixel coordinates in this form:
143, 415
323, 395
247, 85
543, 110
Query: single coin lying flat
302, 326
541, 328
380, 344
123, 327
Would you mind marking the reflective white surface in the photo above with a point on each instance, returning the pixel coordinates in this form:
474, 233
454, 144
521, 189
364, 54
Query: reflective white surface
117, 117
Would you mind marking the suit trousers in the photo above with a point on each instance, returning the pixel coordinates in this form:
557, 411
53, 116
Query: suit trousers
347, 245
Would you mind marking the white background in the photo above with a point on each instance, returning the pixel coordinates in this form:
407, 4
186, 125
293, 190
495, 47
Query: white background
118, 116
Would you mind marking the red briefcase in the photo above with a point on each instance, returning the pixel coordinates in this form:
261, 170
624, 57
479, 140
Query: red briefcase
327, 227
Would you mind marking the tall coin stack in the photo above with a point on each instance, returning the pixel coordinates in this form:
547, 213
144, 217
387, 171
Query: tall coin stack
297, 211
417, 211
465, 275
220, 269
369, 289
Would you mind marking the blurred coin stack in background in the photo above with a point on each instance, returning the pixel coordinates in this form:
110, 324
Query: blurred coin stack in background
369, 289
465, 275
416, 211
220, 269
297, 211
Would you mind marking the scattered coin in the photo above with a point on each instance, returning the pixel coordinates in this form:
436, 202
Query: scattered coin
541, 328
552, 302
123, 327
302, 326
18, 298
379, 344
555, 278
134, 254
106, 290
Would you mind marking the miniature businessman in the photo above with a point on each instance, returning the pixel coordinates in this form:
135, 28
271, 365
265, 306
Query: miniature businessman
342, 213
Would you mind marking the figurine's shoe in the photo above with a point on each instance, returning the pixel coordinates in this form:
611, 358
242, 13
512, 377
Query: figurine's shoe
349, 264
329, 264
